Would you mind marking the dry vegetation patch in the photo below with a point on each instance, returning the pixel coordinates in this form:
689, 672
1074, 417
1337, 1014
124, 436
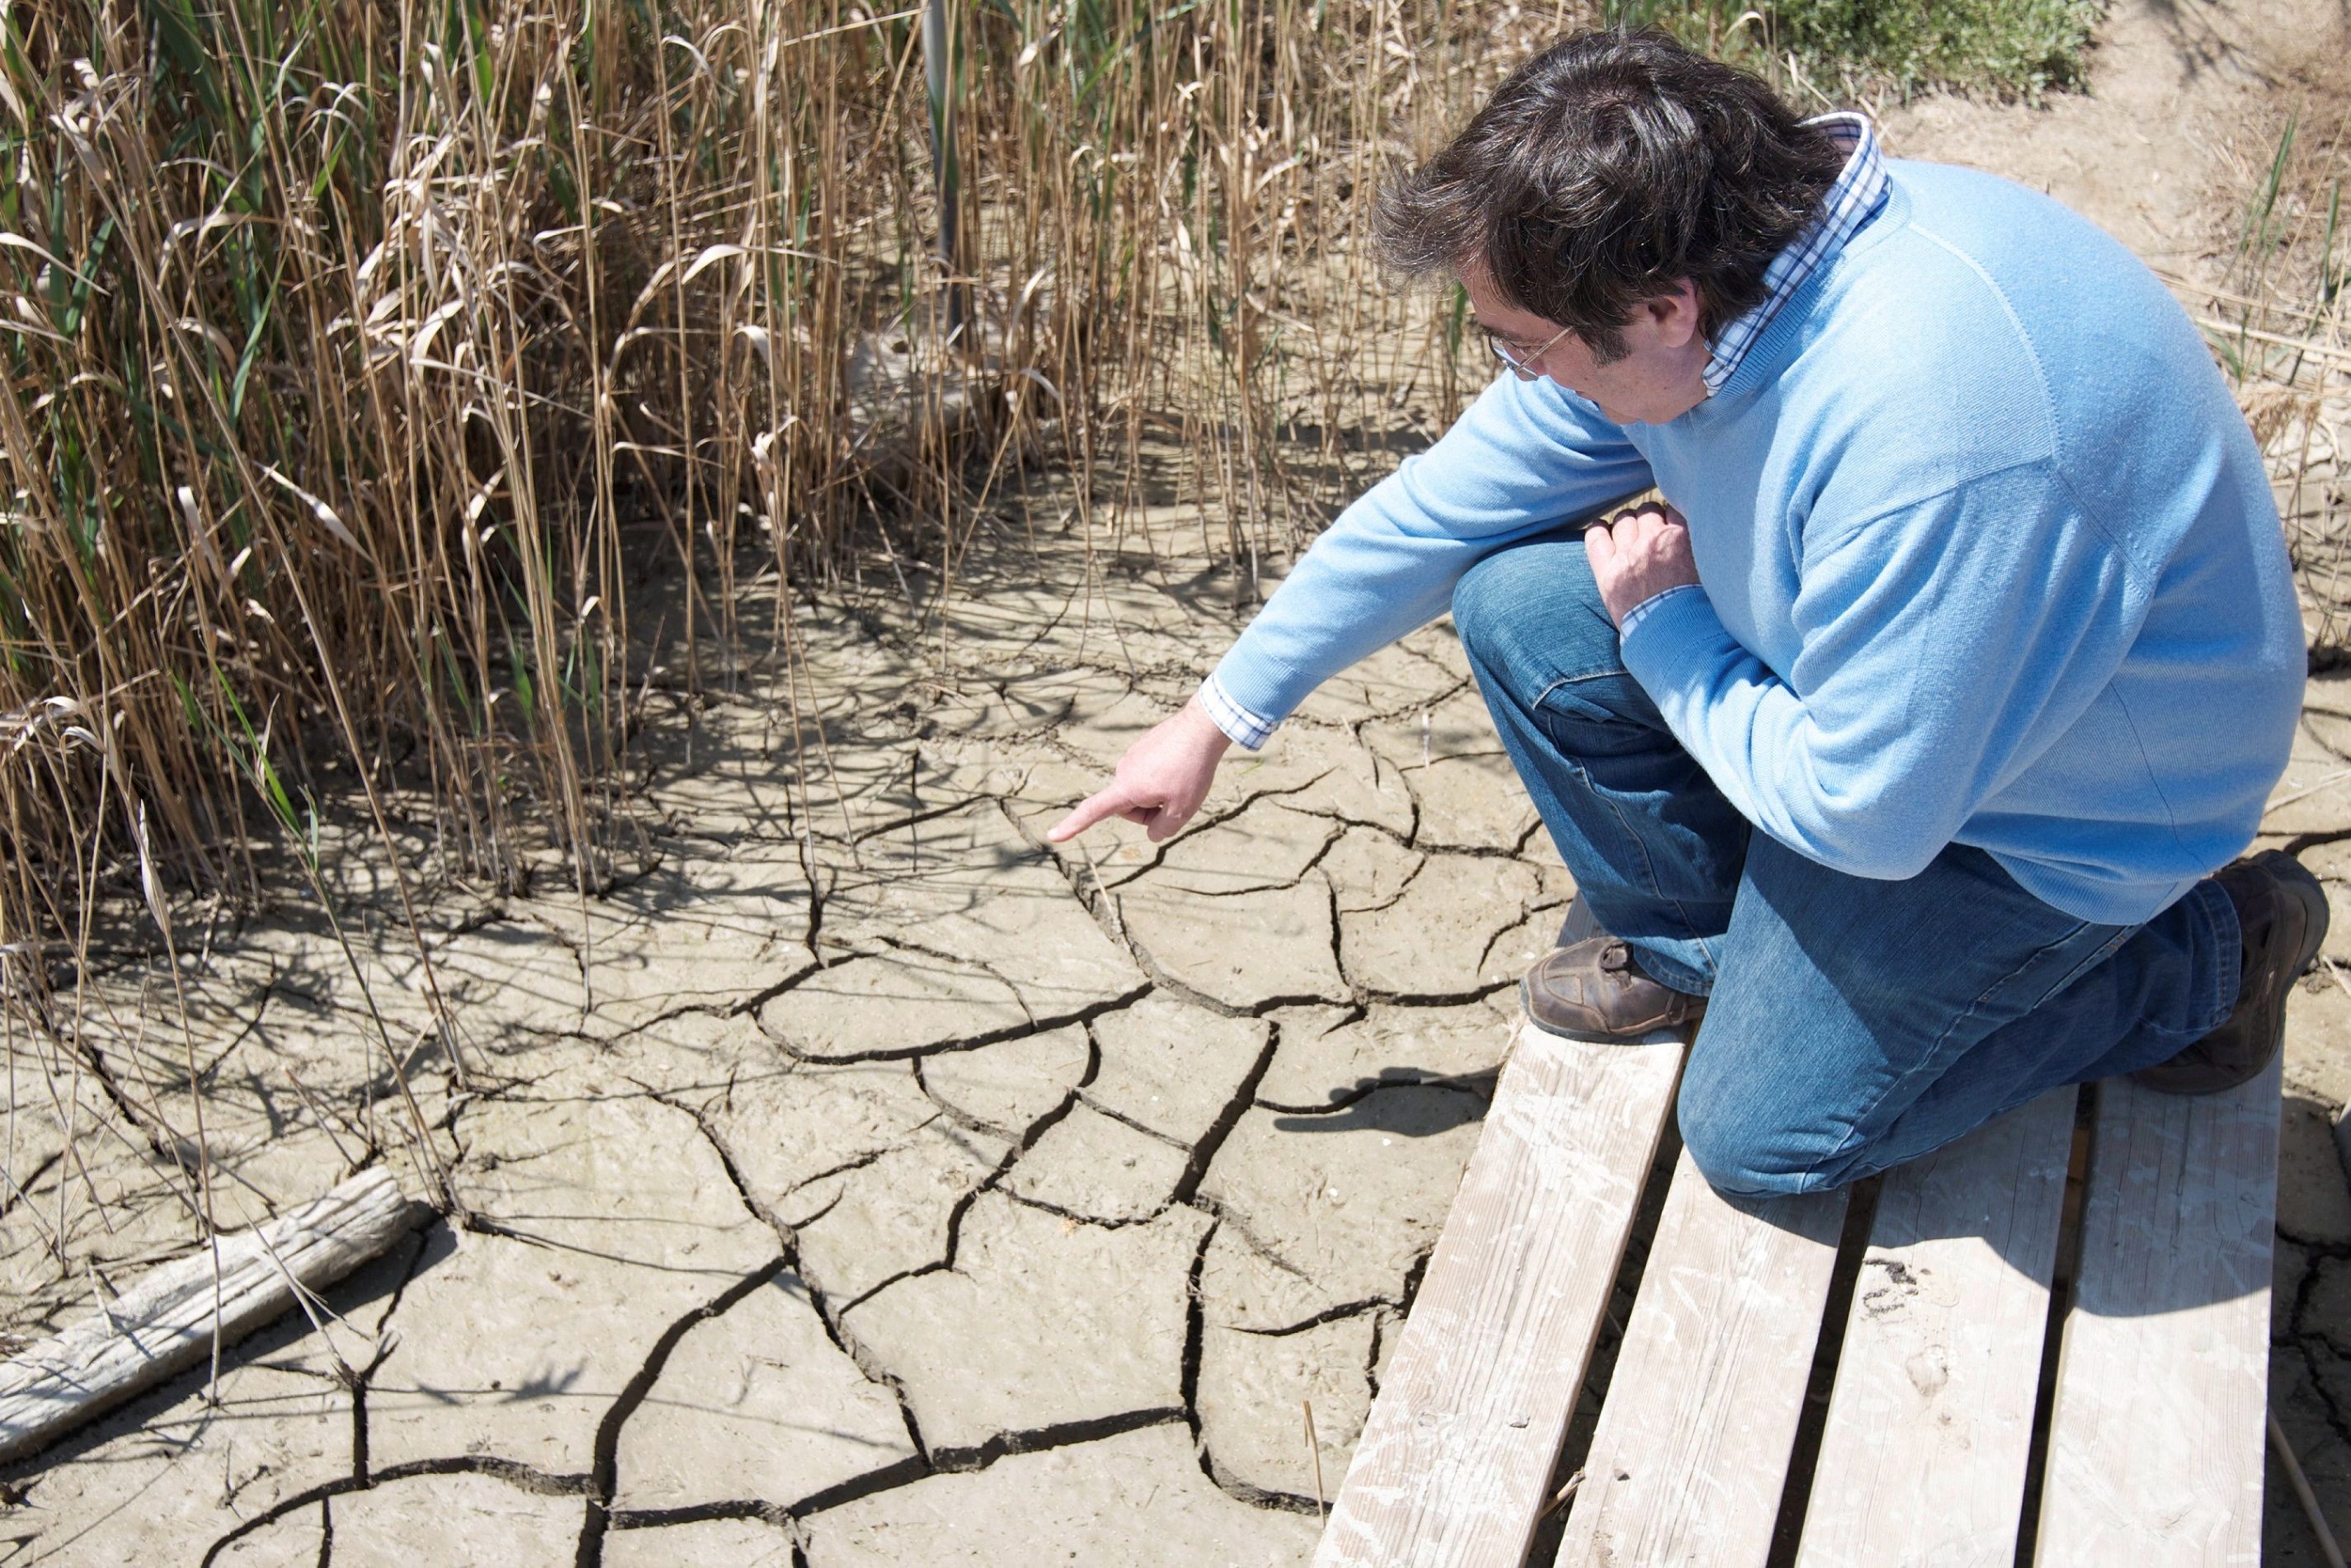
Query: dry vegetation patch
420, 420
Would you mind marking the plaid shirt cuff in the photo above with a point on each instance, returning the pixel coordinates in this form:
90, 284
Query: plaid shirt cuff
1246, 729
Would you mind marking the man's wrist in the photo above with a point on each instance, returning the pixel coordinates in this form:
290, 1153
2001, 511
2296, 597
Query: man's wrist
1204, 723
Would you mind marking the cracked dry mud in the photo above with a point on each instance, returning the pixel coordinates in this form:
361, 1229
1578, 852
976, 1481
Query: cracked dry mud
965, 1200
880, 1185
972, 1201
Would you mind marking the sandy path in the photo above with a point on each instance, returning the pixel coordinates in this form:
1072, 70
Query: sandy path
2186, 100
966, 1203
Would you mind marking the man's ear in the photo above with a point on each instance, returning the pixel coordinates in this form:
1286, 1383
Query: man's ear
1675, 316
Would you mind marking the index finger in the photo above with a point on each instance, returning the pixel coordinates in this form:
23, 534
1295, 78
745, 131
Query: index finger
1600, 544
1107, 801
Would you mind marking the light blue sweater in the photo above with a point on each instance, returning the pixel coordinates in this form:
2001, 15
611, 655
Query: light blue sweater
1988, 557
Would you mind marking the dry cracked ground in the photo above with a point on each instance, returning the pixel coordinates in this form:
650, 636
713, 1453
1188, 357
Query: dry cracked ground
963, 1203
958, 1202
875, 1184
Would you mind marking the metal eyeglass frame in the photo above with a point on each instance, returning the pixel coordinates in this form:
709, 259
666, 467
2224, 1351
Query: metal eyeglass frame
1526, 369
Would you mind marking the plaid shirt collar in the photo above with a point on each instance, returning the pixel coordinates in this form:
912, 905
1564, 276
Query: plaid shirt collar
1859, 192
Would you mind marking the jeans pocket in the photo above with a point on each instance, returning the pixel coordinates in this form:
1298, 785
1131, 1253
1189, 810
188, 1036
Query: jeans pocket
1598, 716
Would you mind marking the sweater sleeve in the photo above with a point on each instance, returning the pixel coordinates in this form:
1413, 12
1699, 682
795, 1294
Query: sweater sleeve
1942, 645
1527, 456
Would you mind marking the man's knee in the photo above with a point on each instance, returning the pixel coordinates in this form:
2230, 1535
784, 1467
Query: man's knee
1534, 611
1746, 1145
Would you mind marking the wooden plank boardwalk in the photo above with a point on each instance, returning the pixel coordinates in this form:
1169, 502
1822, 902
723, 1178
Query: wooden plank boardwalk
1933, 1307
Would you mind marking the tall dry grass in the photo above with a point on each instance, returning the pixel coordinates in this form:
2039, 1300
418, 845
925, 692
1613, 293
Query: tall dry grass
360, 355
395, 393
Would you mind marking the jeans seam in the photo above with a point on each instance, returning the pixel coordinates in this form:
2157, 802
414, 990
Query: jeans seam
2103, 951
2228, 949
1648, 863
1649, 866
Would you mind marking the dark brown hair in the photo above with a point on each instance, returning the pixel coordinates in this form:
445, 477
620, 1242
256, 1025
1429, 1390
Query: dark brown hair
1604, 170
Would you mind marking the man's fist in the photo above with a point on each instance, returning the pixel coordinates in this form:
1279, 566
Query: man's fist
1638, 554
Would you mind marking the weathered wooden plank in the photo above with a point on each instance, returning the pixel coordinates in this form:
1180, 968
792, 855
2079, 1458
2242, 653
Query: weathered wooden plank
1692, 1448
1931, 1425
2155, 1438
1450, 1469
164, 1325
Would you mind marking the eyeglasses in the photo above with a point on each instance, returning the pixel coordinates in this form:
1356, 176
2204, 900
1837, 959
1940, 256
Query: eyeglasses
1526, 368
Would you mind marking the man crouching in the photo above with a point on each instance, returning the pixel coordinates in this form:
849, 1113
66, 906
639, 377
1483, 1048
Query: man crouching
1903, 741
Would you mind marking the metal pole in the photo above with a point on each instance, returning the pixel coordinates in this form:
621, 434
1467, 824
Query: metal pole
940, 76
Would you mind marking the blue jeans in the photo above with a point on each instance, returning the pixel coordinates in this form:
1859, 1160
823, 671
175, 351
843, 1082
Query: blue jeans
1854, 1024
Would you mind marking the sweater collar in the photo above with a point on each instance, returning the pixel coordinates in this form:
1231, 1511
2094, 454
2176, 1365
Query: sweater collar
1859, 191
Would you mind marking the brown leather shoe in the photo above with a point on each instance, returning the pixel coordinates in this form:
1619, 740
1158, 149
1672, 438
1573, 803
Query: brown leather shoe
1593, 990
2282, 911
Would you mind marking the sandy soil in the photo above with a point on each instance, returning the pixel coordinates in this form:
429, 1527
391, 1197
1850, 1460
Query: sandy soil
2186, 98
962, 1202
